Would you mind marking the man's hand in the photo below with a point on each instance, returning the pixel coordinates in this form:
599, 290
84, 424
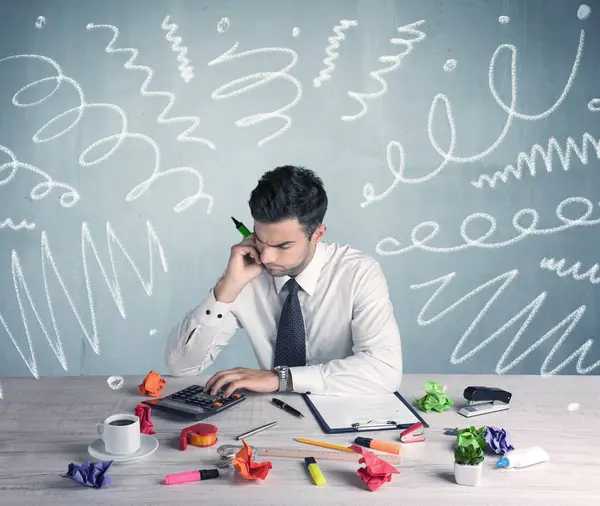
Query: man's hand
244, 265
239, 377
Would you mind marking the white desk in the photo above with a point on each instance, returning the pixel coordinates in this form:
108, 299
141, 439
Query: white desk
45, 424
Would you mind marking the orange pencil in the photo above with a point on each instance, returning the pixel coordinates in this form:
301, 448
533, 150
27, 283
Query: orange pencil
325, 445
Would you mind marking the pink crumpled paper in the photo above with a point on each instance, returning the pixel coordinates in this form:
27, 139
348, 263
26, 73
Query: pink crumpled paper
376, 472
142, 411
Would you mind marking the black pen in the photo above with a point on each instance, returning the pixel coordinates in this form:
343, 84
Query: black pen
286, 407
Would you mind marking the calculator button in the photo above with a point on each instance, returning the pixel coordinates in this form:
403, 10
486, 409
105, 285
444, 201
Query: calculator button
218, 404
236, 396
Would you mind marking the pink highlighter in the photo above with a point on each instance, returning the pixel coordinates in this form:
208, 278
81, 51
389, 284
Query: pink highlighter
190, 476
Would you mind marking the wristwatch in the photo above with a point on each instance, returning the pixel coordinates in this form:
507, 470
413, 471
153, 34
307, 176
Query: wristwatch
284, 373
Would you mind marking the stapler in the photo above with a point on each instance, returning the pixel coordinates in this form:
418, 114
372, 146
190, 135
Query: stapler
485, 400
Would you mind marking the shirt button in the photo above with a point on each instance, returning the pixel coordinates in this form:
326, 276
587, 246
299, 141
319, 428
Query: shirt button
219, 316
208, 311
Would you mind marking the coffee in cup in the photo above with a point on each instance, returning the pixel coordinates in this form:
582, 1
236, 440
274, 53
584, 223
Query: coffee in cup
121, 434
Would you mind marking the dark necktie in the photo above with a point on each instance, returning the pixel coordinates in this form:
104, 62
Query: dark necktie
290, 348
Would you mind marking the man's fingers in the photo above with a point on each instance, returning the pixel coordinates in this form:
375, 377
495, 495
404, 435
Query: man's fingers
224, 380
233, 386
212, 379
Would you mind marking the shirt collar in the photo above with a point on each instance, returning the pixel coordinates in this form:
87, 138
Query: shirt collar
308, 278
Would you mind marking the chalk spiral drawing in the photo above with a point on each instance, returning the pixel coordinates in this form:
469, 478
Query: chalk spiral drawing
331, 51
574, 406
295, 32
421, 241
40, 22
564, 155
162, 119
17, 226
115, 382
529, 312
556, 266
116, 140
112, 282
259, 79
395, 62
153, 332
1, 392
185, 69
594, 105
584, 11
450, 65
503, 20
223, 25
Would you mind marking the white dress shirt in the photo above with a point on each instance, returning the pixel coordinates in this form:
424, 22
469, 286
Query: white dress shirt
352, 338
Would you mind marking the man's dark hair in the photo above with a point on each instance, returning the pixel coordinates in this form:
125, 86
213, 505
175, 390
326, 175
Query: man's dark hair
289, 192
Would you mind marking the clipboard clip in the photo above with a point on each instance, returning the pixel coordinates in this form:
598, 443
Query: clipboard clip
373, 425
413, 434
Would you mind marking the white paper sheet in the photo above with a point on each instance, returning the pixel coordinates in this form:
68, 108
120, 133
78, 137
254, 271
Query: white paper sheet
340, 412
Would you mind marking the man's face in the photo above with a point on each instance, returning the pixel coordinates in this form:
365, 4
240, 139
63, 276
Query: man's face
283, 246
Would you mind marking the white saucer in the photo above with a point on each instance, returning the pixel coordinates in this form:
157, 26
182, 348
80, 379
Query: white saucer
148, 445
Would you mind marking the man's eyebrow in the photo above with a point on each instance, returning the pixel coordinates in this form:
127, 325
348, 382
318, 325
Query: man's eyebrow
272, 245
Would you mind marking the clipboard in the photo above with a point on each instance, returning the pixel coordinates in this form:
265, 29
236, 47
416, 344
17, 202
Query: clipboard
355, 418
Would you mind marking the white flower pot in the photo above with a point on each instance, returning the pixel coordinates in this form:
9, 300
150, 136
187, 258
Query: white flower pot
467, 475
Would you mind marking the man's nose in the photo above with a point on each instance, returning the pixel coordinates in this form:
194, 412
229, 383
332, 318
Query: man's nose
268, 255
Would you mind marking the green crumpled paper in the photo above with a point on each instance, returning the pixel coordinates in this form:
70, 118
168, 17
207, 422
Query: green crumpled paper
472, 436
434, 398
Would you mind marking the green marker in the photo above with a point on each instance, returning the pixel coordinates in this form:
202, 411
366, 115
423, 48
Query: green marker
241, 227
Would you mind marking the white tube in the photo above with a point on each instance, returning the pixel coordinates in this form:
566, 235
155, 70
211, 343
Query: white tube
523, 457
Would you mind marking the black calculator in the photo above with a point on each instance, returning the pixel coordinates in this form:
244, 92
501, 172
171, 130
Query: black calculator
194, 403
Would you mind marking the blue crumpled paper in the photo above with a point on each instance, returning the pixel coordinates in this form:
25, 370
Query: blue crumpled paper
89, 474
497, 440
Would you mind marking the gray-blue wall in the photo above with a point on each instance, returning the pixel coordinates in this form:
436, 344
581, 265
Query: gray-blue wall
96, 158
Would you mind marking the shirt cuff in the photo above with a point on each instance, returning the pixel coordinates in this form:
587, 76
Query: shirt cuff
307, 379
212, 313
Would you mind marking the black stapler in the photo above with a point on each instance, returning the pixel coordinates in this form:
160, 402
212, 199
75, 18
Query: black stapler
485, 400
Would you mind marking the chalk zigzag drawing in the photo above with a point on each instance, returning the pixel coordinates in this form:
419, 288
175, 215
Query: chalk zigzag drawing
556, 266
528, 312
395, 62
547, 156
331, 51
24, 224
185, 69
185, 136
112, 281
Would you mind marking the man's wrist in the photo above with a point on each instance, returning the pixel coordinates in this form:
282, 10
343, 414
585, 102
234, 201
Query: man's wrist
225, 291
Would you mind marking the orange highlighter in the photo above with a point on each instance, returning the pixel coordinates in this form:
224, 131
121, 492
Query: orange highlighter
383, 446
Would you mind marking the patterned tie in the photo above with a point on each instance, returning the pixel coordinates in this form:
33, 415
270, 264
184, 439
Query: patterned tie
290, 348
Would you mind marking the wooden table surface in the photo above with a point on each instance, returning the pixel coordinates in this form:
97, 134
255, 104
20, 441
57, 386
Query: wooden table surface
48, 423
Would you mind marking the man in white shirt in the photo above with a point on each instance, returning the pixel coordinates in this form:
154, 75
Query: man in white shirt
318, 315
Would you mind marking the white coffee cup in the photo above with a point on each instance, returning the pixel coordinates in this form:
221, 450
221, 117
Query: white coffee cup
121, 434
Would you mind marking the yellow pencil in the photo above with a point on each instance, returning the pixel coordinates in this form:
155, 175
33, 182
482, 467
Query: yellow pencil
324, 445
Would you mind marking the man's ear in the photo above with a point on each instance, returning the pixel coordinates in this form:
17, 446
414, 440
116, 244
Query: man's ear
318, 234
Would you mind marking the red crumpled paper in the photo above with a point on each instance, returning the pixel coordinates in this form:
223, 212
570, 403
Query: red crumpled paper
249, 469
152, 385
376, 471
142, 411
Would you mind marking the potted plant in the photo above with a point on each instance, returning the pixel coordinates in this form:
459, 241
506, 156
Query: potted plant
468, 463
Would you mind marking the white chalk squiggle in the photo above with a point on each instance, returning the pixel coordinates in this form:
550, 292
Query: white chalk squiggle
369, 191
295, 32
260, 79
162, 117
115, 382
69, 196
40, 22
1, 392
547, 156
511, 110
153, 332
223, 25
185, 69
115, 140
550, 264
331, 51
594, 105
19, 226
450, 65
112, 282
432, 229
395, 62
528, 312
